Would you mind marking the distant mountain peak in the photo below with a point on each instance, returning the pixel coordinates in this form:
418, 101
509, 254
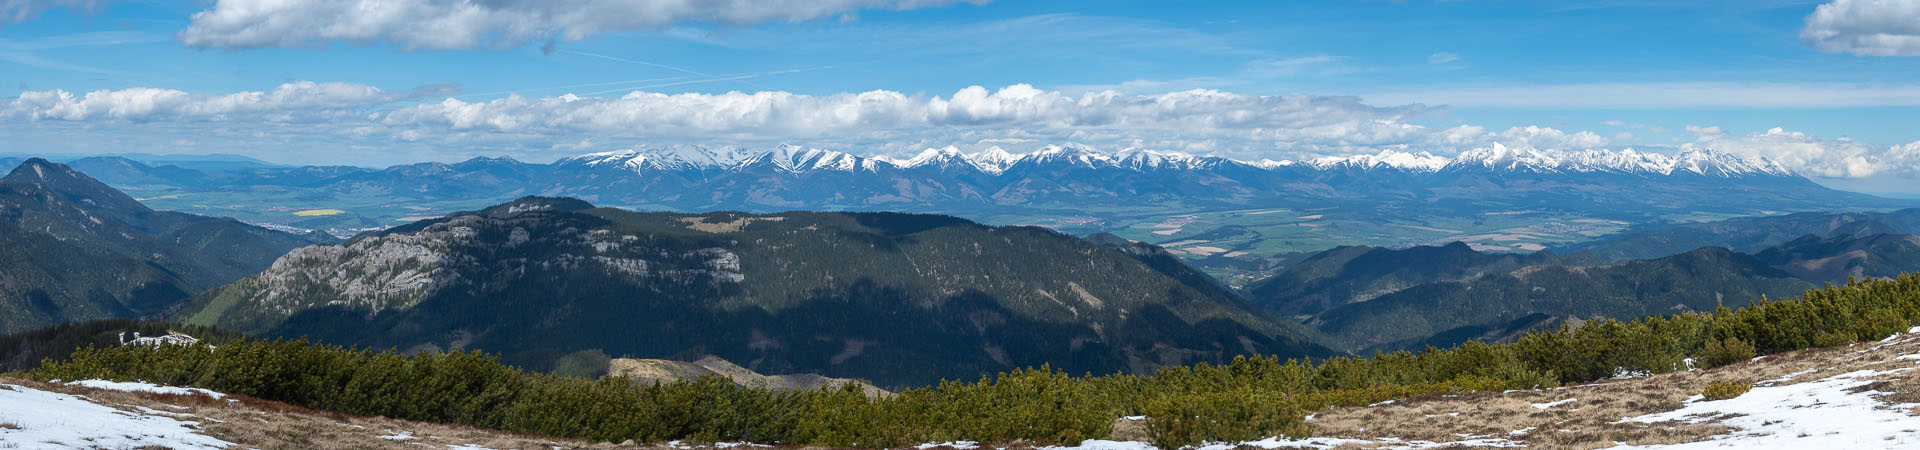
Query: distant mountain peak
795, 158
1692, 160
995, 159
1415, 162
33, 169
491, 160
1144, 159
72, 185
944, 158
1075, 155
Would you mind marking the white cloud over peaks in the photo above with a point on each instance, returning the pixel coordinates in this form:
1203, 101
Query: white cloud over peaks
1706, 133
288, 102
877, 121
1809, 155
465, 24
874, 122
1018, 107
1865, 27
1548, 138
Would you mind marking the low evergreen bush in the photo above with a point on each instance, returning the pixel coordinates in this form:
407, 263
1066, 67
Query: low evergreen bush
1722, 390
1726, 351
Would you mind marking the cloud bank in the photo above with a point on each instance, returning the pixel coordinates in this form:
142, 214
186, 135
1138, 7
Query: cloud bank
1251, 127
468, 24
289, 102
1812, 156
1865, 27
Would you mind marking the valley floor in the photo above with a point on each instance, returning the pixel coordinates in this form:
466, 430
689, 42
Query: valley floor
1861, 396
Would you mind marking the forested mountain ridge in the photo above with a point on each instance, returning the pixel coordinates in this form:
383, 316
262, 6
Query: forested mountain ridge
1352, 274
893, 298
1441, 295
1838, 258
1745, 234
72, 248
1700, 280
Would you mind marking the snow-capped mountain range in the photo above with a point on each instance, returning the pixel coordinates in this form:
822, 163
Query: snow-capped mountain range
1070, 179
997, 161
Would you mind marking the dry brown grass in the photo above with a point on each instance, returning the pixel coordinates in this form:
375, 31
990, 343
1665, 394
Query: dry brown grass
700, 223
1589, 421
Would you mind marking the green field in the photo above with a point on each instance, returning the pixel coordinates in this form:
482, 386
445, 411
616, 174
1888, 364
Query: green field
1240, 246
340, 215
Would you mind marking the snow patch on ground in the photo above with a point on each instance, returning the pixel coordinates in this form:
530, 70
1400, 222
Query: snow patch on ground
962, 445
1817, 414
1547, 405
136, 386
1788, 377
1284, 443
688, 445
1387, 442
1097, 444
51, 420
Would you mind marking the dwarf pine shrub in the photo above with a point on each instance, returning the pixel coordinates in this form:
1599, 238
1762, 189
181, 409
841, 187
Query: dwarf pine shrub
1722, 390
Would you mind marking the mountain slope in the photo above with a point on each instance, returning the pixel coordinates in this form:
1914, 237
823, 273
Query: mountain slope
1700, 280
649, 371
72, 248
1747, 234
1838, 258
1355, 274
894, 298
1440, 296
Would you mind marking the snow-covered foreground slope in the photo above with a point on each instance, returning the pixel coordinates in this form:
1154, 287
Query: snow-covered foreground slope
97, 414
1832, 412
36, 419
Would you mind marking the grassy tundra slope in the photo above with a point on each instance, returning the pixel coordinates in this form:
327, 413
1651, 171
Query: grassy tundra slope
1864, 395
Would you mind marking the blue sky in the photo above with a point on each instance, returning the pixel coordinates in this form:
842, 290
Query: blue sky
1838, 80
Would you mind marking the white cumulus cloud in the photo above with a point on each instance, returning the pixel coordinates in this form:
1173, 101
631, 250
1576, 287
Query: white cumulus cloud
302, 99
466, 24
1545, 137
1865, 27
1705, 133
778, 115
1810, 155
